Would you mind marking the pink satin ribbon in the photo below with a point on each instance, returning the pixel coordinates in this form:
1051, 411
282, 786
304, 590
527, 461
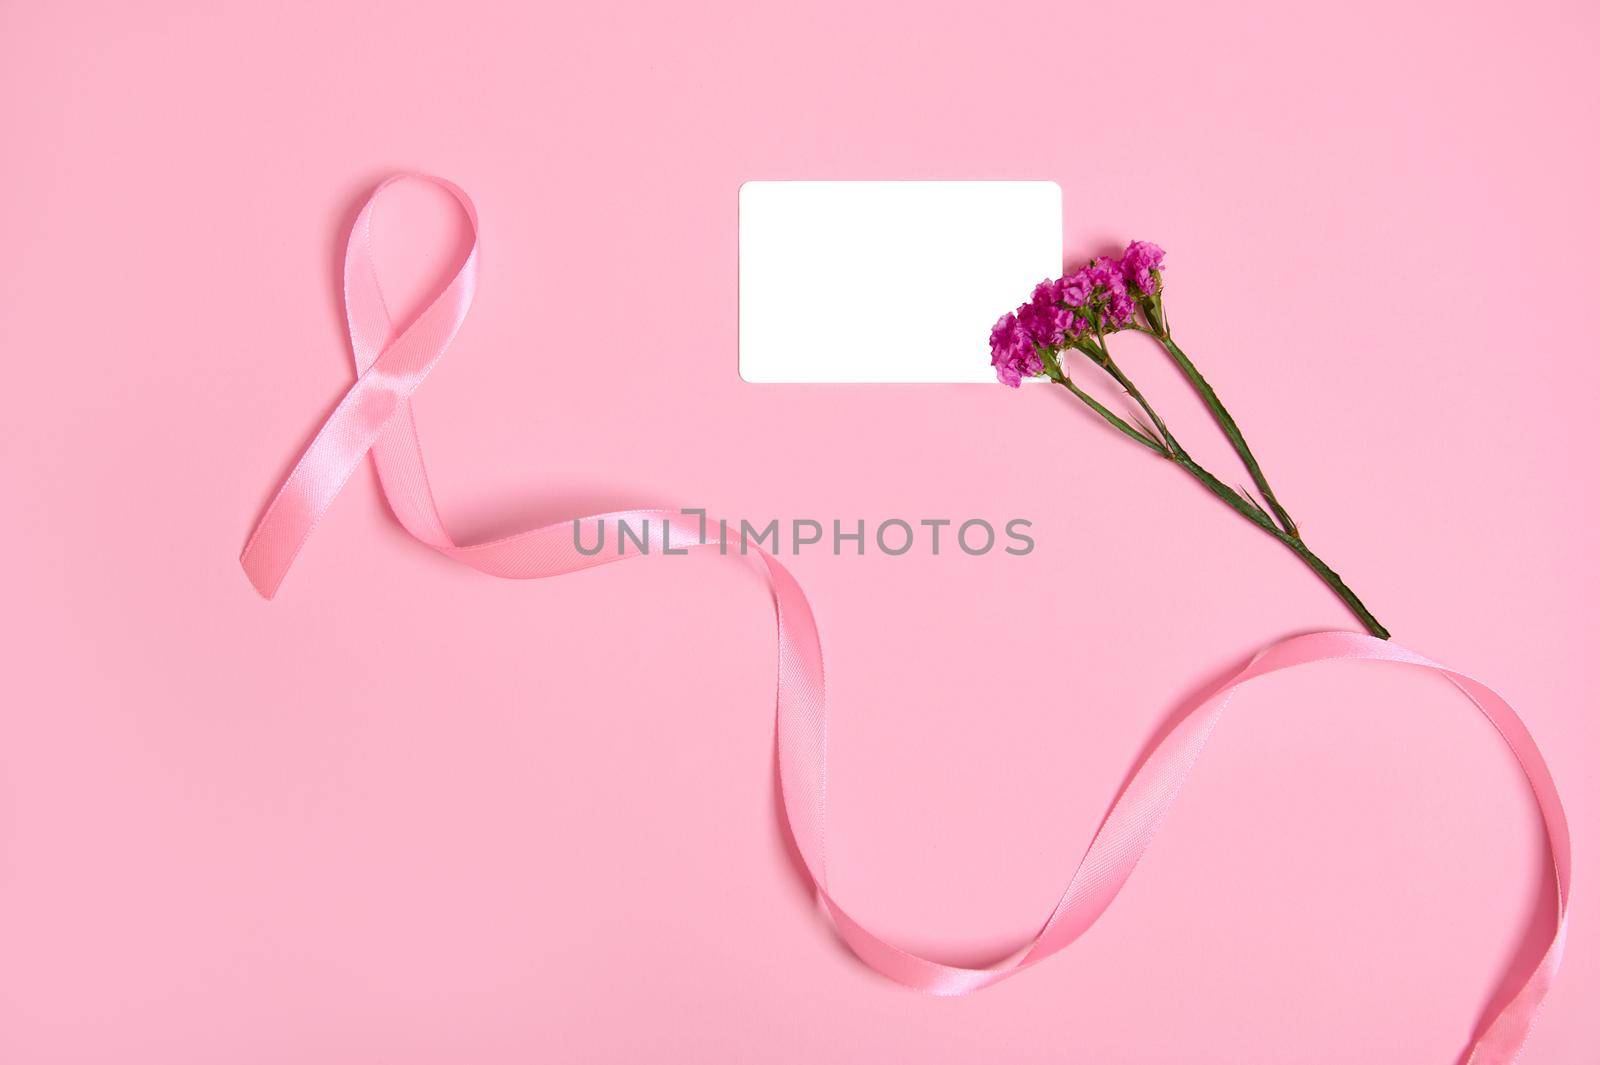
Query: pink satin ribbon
375, 415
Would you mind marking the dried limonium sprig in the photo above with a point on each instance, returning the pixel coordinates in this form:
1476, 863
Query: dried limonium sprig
1076, 313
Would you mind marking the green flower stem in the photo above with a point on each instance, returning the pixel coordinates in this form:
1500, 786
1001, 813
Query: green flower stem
1110, 367
1114, 421
1256, 516
1244, 507
1052, 368
1230, 429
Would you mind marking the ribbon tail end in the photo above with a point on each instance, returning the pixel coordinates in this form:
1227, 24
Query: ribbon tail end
263, 579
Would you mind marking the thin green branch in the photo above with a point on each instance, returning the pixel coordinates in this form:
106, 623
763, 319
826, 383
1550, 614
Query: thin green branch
1111, 419
1230, 429
1280, 529
1260, 518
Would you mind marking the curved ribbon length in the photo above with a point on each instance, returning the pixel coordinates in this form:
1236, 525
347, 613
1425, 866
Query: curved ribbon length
375, 415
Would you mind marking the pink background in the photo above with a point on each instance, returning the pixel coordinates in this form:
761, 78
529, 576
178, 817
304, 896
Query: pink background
233, 831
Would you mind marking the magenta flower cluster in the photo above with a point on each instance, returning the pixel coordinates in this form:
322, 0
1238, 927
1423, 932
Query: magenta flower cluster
1098, 299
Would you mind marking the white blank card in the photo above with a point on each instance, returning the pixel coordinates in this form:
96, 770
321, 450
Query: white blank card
856, 281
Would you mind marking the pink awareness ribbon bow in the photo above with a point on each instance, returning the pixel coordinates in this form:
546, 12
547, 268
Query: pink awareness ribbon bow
375, 415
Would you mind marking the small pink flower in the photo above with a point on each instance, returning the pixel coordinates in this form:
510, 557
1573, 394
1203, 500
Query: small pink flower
1140, 264
1098, 296
1077, 289
1012, 353
1119, 308
1045, 319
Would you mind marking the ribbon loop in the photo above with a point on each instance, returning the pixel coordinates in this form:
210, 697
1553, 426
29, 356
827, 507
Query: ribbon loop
375, 415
